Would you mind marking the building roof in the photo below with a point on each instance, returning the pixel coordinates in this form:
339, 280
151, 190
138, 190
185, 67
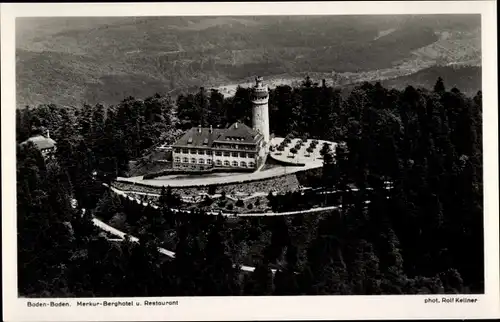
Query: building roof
239, 132
199, 137
204, 137
41, 142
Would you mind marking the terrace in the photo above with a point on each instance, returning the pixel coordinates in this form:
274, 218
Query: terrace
298, 152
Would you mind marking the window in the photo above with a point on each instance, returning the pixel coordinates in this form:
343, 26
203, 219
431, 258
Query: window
185, 151
177, 150
201, 151
201, 161
208, 152
218, 162
193, 160
185, 160
243, 164
235, 154
242, 154
226, 163
251, 164
235, 163
251, 155
177, 159
209, 161
227, 154
218, 153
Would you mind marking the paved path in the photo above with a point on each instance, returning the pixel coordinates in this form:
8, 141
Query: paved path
103, 226
189, 181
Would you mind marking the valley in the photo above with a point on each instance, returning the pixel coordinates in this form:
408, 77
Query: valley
103, 60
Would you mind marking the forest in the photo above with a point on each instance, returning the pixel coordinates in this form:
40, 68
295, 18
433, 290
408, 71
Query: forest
425, 235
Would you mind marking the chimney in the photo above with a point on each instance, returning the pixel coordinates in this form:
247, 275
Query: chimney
211, 129
236, 125
323, 81
199, 128
48, 134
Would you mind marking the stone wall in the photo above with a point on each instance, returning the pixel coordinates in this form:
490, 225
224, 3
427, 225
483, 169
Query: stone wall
280, 185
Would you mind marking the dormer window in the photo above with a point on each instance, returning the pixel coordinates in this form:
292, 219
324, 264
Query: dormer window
190, 140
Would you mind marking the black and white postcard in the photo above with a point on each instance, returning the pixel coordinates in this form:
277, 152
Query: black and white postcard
249, 161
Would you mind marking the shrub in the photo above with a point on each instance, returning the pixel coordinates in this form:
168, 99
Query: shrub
257, 203
230, 206
212, 189
240, 203
293, 150
310, 150
250, 206
207, 201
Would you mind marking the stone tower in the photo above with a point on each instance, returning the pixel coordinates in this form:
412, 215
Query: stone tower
260, 109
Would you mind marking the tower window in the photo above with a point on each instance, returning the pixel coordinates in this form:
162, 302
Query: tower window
201, 161
193, 160
218, 162
235, 163
226, 163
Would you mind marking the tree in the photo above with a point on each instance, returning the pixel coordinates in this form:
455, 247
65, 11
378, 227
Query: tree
439, 86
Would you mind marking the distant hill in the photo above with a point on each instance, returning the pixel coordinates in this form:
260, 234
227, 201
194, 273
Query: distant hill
465, 78
69, 61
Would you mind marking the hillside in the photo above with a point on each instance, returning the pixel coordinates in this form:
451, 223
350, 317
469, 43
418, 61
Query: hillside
467, 79
69, 61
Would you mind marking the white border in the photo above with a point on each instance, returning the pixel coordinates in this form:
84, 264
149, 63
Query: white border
256, 308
